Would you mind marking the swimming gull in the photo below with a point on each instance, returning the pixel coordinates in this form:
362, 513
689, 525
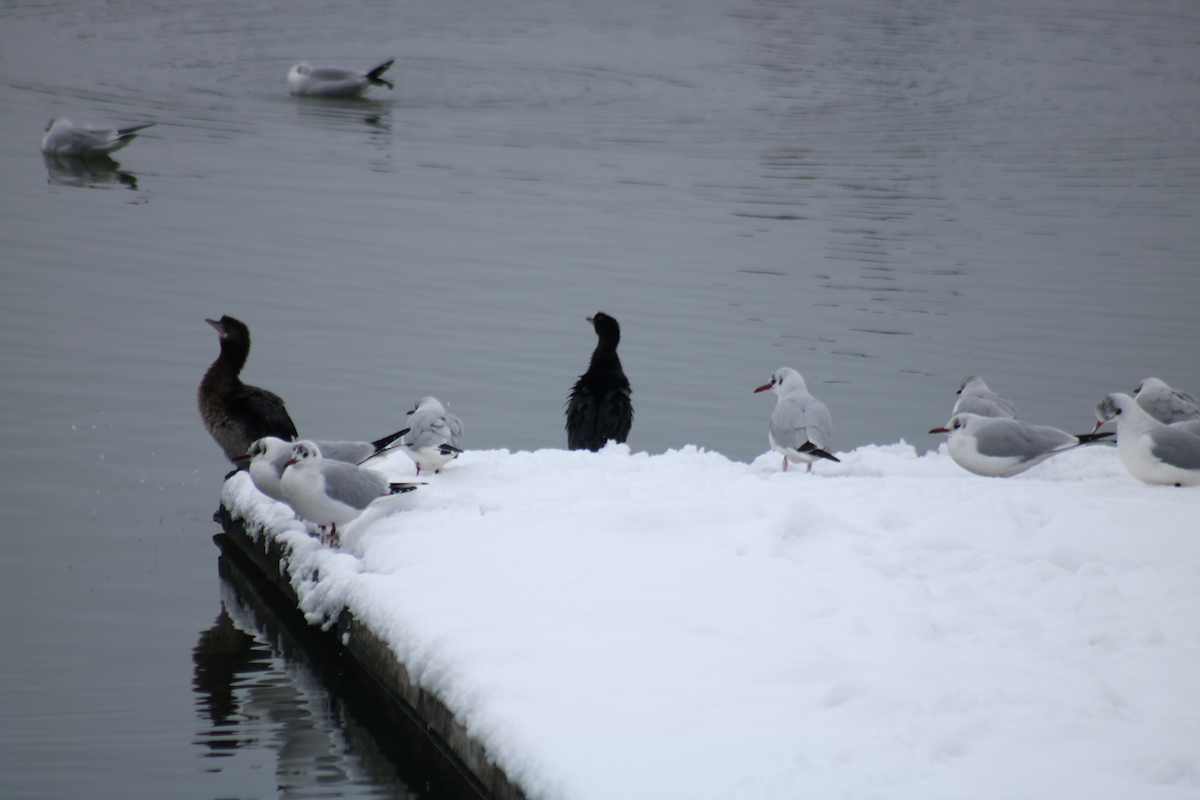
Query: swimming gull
800, 428
65, 138
336, 81
598, 407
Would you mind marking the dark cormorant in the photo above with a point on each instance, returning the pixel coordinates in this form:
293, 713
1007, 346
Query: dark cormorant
236, 414
598, 408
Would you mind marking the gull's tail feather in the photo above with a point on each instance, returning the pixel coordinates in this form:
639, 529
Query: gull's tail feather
373, 75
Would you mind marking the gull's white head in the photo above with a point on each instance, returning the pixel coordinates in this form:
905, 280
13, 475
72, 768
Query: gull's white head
783, 381
305, 453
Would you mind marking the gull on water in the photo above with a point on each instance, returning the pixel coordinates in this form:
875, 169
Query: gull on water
336, 81
800, 428
235, 413
974, 397
269, 455
328, 492
598, 407
1165, 404
65, 138
1151, 451
999, 447
434, 435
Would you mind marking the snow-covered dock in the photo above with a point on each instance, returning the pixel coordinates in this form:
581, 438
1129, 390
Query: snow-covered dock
613, 625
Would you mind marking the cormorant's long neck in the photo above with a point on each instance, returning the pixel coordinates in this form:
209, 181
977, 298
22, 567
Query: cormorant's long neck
225, 370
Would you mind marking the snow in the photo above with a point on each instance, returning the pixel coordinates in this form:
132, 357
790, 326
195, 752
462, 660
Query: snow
624, 625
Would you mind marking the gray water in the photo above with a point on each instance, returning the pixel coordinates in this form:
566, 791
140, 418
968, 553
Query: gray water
885, 195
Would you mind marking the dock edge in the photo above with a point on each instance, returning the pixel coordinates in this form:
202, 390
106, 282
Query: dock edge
358, 644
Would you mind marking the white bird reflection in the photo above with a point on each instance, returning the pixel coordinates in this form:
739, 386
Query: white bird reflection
97, 172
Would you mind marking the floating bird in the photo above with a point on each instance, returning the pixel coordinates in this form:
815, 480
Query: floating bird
433, 437
269, 455
328, 492
999, 447
1165, 404
974, 397
598, 408
801, 428
1152, 452
65, 138
235, 413
336, 81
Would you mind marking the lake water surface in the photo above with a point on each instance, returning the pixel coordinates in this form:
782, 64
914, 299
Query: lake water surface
887, 196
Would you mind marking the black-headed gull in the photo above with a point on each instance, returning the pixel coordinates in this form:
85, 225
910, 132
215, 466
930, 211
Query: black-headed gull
269, 455
235, 413
326, 492
801, 428
1152, 452
1165, 404
335, 81
1000, 447
598, 407
65, 138
974, 397
434, 435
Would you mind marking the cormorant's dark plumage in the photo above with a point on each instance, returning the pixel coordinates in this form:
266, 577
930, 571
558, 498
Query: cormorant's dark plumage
598, 408
235, 414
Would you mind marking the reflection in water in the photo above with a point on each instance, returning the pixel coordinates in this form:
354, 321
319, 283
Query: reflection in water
257, 692
99, 172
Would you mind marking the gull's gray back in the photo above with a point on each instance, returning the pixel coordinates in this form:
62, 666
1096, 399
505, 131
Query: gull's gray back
431, 427
1175, 447
352, 485
1165, 404
798, 418
1003, 438
977, 398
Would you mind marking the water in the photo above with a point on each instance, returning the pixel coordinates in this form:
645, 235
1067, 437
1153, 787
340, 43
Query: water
886, 196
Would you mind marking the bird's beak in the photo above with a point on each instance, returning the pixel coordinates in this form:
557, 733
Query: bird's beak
242, 457
289, 462
409, 413
940, 430
216, 325
590, 320
1098, 424
763, 388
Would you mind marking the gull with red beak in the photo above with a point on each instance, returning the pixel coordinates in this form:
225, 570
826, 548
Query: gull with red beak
999, 447
328, 492
269, 456
801, 428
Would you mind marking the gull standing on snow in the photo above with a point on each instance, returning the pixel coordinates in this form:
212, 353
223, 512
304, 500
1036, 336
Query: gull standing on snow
598, 407
65, 138
974, 397
1165, 404
269, 455
330, 492
433, 437
801, 428
1152, 452
336, 81
999, 447
235, 413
